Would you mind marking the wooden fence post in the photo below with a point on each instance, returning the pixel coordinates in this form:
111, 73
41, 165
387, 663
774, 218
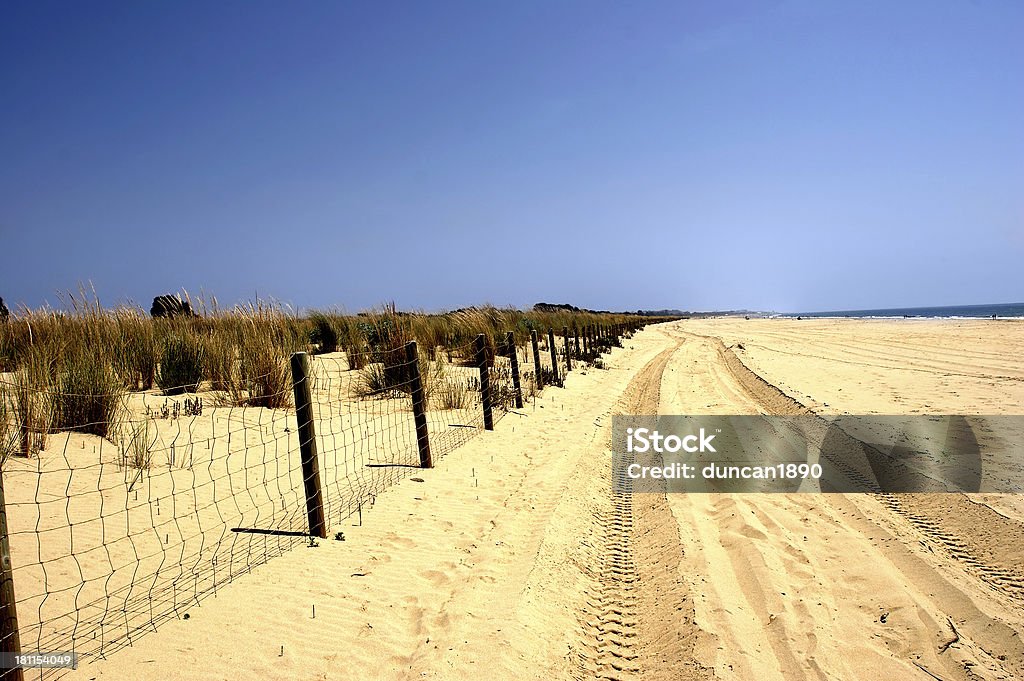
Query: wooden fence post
568, 349
576, 337
510, 342
485, 382
538, 378
554, 356
419, 407
307, 445
10, 638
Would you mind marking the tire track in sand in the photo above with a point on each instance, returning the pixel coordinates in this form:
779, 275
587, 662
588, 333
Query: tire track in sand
984, 542
984, 545
638, 617
786, 585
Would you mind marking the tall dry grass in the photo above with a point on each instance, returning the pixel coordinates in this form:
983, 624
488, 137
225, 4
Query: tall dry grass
86, 395
71, 368
137, 443
10, 435
28, 395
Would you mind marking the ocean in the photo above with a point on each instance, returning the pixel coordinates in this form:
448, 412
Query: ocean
994, 310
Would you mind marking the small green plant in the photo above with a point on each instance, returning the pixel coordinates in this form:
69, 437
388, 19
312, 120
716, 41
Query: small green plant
173, 410
351, 339
181, 365
387, 371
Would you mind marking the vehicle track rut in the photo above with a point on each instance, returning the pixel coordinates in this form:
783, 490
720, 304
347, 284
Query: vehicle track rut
973, 534
637, 618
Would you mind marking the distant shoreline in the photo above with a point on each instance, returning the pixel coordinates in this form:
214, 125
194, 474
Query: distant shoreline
997, 310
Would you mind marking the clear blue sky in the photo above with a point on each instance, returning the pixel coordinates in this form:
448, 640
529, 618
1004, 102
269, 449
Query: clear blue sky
789, 156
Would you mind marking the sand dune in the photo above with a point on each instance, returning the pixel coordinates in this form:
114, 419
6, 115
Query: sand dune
514, 560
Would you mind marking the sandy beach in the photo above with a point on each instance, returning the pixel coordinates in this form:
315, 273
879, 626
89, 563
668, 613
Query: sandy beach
671, 341
513, 559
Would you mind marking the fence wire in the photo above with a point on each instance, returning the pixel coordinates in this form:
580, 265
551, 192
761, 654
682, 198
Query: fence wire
112, 534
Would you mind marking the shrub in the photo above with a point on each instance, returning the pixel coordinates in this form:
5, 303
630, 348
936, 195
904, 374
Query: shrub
181, 365
32, 413
323, 334
386, 370
491, 350
172, 306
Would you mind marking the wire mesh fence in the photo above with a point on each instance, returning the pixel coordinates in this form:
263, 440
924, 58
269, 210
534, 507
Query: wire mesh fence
110, 535
115, 526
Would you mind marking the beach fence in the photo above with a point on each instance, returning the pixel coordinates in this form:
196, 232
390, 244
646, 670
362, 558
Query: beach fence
114, 526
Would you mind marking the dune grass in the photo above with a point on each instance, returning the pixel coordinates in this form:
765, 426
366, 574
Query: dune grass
70, 369
137, 445
181, 364
10, 435
87, 394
